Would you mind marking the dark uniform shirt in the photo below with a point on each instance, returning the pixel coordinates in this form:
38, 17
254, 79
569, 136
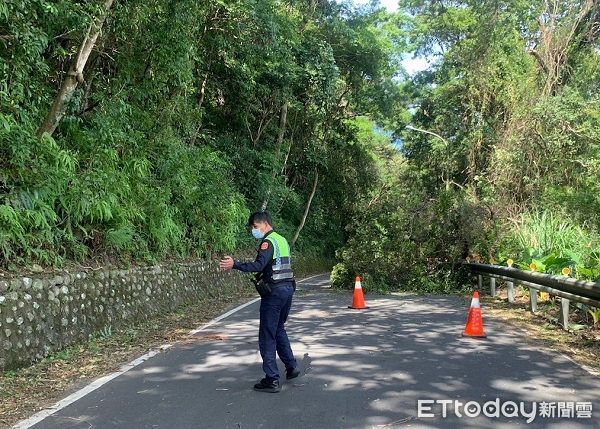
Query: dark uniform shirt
264, 260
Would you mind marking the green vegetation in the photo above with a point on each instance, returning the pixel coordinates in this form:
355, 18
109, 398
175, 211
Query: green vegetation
501, 153
187, 116
552, 244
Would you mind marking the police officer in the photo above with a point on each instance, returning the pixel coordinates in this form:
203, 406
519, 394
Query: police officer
275, 283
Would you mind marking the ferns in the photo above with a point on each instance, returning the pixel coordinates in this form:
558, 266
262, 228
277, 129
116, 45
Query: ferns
99, 195
142, 162
9, 219
11, 231
121, 239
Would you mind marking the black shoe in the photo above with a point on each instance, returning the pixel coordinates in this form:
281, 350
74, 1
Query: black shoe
266, 385
291, 373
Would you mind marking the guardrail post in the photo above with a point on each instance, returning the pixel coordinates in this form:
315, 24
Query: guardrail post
479, 282
533, 299
564, 313
511, 291
493, 286
568, 289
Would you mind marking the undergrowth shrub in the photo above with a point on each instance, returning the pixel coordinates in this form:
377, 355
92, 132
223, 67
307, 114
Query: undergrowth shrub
109, 193
552, 241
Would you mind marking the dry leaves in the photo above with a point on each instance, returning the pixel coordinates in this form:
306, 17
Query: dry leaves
28, 390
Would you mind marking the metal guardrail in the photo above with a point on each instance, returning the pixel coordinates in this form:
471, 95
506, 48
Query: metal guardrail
568, 289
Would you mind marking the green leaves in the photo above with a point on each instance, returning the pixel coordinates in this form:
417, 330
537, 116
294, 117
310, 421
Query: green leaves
9, 218
176, 131
4, 11
552, 243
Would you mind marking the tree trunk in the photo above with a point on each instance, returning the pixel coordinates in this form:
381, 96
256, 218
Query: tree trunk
282, 122
266, 117
200, 102
203, 89
74, 75
87, 90
280, 135
306, 209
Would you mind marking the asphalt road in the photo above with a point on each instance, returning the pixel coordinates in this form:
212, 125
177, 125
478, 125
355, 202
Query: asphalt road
360, 369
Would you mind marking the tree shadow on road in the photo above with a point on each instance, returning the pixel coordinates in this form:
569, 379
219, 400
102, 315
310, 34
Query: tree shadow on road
359, 369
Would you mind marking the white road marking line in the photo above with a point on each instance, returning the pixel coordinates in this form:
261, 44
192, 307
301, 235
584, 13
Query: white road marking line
235, 310
38, 417
41, 415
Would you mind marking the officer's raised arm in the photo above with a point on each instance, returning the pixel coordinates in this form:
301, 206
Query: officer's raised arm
263, 258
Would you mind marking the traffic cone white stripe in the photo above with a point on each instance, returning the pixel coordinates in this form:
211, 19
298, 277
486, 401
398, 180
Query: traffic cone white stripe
358, 299
474, 326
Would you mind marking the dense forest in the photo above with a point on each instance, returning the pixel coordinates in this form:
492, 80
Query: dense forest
135, 131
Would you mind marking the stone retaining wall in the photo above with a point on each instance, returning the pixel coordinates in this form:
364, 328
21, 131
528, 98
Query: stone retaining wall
40, 315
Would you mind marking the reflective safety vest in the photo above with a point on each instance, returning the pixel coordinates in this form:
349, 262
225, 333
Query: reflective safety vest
282, 262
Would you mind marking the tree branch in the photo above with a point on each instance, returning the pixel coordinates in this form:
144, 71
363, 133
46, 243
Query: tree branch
307, 208
539, 59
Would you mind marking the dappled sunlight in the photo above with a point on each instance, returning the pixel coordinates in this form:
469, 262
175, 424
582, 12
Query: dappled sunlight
359, 368
450, 386
154, 370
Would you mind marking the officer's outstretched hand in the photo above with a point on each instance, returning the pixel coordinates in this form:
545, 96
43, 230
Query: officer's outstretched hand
226, 263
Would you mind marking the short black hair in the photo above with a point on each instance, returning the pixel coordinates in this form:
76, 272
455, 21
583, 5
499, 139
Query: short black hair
260, 217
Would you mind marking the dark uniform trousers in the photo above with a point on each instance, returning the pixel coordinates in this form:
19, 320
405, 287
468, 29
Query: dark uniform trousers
272, 338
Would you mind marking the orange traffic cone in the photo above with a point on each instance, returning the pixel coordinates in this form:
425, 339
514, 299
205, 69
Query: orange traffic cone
474, 326
358, 301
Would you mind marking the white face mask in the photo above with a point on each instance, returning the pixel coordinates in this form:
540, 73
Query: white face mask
257, 233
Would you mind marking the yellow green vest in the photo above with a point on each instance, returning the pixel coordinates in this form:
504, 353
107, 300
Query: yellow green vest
282, 261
